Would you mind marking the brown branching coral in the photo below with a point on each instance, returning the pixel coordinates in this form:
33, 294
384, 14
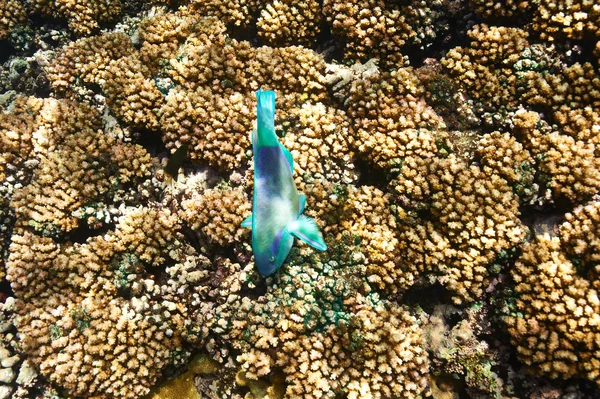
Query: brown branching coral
131, 92
76, 329
287, 22
328, 342
147, 233
392, 119
34, 126
12, 14
484, 68
388, 150
556, 314
74, 176
504, 155
296, 73
29, 132
573, 19
83, 17
211, 60
86, 317
162, 35
84, 61
317, 136
576, 87
217, 128
217, 214
116, 276
237, 13
389, 101
363, 215
370, 27
572, 167
568, 167
580, 238
473, 220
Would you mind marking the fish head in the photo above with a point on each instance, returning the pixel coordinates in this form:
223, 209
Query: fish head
271, 259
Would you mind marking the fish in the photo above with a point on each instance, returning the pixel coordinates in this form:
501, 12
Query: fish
277, 205
174, 163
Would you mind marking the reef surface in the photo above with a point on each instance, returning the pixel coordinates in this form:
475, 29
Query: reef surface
449, 151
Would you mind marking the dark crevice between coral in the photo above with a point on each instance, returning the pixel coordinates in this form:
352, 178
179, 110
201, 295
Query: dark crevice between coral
327, 45
370, 175
515, 21
451, 31
545, 218
134, 7
191, 237
26, 77
578, 51
427, 297
570, 51
83, 232
6, 50
5, 290
453, 37
151, 141
158, 272
247, 33
37, 22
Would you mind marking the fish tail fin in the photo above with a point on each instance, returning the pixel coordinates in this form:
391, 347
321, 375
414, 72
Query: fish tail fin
306, 229
266, 107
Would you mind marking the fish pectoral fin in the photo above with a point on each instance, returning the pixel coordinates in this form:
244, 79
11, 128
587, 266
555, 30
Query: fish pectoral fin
306, 229
247, 222
302, 201
288, 156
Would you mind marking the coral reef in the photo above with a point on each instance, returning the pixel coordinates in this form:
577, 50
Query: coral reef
449, 152
217, 214
328, 339
459, 350
12, 14
289, 22
554, 324
84, 17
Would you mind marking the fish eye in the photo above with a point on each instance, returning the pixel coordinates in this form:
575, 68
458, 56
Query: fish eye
272, 259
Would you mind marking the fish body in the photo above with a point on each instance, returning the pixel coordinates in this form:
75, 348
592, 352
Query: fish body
276, 205
176, 160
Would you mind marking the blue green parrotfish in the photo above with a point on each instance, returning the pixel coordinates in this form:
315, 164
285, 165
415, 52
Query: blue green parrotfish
277, 206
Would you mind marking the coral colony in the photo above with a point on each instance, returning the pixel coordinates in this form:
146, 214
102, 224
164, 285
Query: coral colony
448, 160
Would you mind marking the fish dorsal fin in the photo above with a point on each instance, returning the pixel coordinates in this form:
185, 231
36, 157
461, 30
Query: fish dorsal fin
302, 201
307, 230
288, 156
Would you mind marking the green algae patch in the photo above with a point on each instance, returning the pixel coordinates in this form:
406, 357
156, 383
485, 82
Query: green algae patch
262, 388
182, 386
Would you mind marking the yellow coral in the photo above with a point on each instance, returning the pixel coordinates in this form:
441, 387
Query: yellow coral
12, 14
556, 332
215, 127
84, 17
85, 60
370, 27
289, 22
218, 214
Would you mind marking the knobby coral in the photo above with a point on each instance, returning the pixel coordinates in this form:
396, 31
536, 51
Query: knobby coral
418, 176
555, 321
